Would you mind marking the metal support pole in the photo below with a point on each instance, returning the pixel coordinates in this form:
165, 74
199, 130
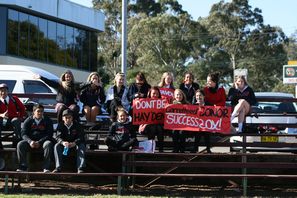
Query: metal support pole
124, 36
244, 160
6, 185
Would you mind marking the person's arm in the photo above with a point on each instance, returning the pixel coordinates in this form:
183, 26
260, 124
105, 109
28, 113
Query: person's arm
25, 132
252, 99
51, 83
102, 96
81, 136
49, 131
112, 130
21, 107
222, 101
59, 136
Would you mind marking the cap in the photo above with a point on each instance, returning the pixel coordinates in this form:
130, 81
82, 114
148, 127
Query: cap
3, 85
67, 112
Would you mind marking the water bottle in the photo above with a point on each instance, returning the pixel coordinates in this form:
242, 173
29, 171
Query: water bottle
4, 121
65, 152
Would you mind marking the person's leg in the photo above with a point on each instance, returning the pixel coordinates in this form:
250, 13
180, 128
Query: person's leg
1, 145
182, 141
175, 140
80, 156
87, 112
75, 109
22, 149
60, 107
47, 153
94, 112
160, 136
111, 143
16, 123
197, 137
244, 108
58, 150
207, 141
126, 145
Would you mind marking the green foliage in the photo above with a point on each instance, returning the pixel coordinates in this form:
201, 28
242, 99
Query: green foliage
163, 37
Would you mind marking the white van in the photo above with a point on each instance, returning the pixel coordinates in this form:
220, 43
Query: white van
20, 79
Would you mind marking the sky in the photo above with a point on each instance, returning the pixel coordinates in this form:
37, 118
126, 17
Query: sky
280, 13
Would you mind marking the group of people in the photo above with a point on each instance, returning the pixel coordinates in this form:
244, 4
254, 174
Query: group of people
37, 131
241, 96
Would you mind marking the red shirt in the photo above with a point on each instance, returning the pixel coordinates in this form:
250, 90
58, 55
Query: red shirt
217, 98
12, 109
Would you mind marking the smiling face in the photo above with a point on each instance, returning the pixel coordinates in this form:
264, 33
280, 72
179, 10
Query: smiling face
199, 98
120, 81
168, 80
155, 94
122, 116
68, 77
188, 79
94, 79
178, 96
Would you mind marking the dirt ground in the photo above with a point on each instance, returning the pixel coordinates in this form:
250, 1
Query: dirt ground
75, 188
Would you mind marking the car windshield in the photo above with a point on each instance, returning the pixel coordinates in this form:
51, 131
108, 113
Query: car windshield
275, 107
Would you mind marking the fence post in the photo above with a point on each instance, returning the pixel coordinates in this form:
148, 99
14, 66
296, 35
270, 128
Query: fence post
244, 169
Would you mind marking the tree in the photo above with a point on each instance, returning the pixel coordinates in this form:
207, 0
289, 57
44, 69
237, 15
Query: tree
229, 24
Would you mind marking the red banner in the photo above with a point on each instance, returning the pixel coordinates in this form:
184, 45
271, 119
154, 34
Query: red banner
198, 118
167, 93
148, 111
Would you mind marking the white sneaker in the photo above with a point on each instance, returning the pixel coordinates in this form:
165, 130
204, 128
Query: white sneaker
46, 171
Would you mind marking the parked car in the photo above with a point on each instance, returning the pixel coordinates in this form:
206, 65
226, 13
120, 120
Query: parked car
274, 109
20, 80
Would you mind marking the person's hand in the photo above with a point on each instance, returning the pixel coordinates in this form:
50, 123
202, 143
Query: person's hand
36, 76
71, 144
4, 115
34, 144
66, 144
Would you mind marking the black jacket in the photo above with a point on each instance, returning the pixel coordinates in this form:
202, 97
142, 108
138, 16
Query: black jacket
37, 132
74, 134
134, 89
92, 97
248, 94
190, 93
67, 97
121, 132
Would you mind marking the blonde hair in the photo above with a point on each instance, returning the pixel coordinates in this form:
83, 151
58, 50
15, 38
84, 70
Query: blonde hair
184, 100
117, 76
162, 82
242, 78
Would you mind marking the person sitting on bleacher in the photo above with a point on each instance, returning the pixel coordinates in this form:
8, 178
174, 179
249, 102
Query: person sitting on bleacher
70, 137
37, 133
120, 136
117, 96
92, 98
67, 93
12, 112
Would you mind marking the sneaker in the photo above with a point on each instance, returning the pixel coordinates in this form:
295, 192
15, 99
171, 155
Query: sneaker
46, 171
56, 170
21, 169
80, 171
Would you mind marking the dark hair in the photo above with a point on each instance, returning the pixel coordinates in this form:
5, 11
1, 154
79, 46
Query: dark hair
153, 88
215, 78
190, 73
140, 76
38, 106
